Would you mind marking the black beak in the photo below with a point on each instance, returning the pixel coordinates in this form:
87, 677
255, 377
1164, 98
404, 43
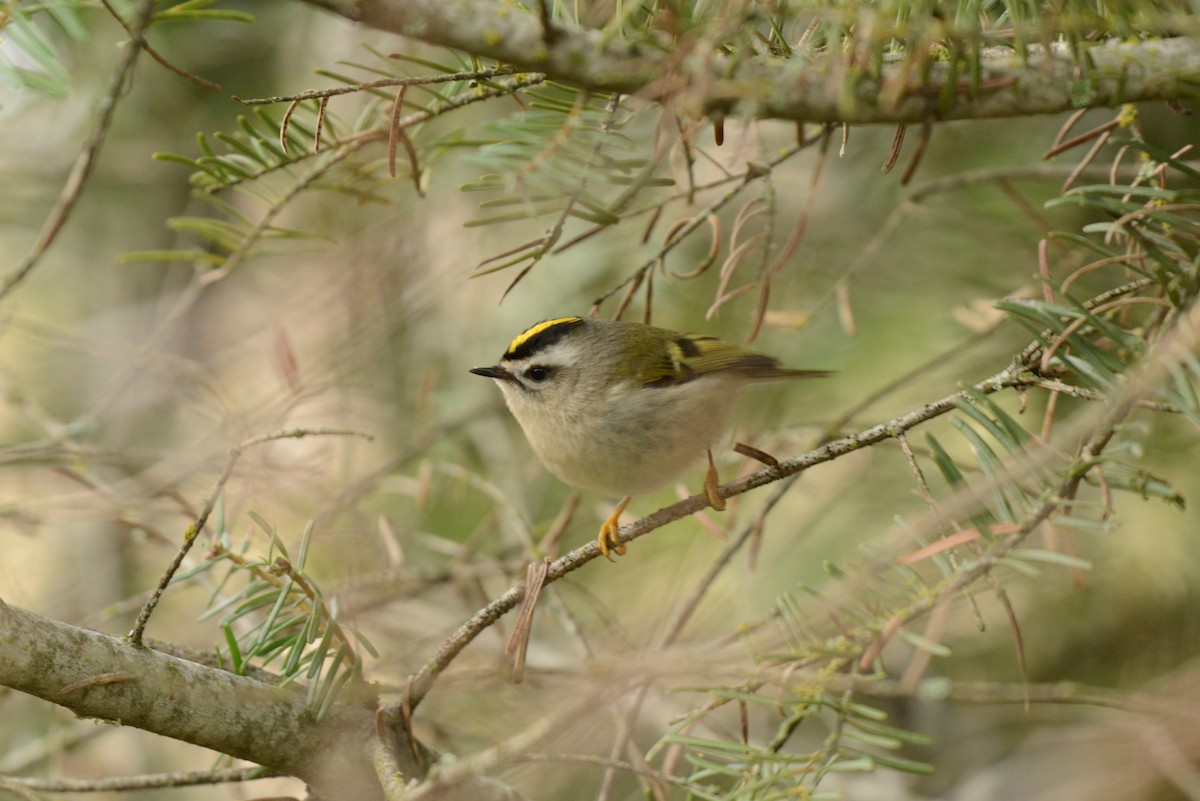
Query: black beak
493, 372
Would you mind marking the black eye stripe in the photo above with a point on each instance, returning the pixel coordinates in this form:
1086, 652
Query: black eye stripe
537, 373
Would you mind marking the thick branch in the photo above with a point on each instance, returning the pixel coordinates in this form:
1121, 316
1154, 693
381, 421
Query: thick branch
98, 676
796, 89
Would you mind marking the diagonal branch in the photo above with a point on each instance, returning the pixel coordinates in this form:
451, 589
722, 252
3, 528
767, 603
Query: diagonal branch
422, 681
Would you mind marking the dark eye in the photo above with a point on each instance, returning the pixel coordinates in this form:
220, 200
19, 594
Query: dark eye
538, 374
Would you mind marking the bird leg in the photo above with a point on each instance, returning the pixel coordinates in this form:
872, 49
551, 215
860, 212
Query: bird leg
712, 483
608, 532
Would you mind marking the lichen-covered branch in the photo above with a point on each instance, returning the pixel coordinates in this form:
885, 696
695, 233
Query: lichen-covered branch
99, 676
828, 88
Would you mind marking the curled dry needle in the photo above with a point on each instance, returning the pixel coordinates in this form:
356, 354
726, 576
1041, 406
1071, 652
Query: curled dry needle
1124, 259
714, 247
396, 133
283, 125
893, 153
918, 152
1044, 270
739, 250
1076, 141
1086, 161
790, 246
627, 298
518, 641
321, 105
1101, 134
752, 173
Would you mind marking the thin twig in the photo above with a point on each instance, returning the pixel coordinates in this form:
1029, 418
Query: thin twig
203, 83
312, 94
595, 759
149, 781
547, 242
422, 681
446, 777
86, 161
189, 538
749, 529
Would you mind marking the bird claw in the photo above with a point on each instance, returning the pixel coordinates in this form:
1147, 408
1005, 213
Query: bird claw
712, 485
609, 538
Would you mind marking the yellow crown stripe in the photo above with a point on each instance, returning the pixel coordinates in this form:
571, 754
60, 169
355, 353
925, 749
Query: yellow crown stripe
529, 333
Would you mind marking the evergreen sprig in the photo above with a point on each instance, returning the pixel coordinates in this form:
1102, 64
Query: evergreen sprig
817, 656
273, 615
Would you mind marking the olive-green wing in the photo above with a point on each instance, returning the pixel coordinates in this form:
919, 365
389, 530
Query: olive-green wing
690, 356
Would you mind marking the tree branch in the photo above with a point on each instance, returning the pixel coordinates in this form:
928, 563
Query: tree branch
98, 676
419, 685
828, 89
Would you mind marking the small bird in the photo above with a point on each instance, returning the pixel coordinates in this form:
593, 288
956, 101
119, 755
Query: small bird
624, 408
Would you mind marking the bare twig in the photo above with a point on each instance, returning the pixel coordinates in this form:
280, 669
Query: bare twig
86, 161
149, 781
189, 538
154, 54
419, 80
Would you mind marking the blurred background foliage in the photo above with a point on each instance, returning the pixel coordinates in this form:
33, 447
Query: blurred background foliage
157, 334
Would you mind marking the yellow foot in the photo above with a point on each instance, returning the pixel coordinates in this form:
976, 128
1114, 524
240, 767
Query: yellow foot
607, 541
712, 483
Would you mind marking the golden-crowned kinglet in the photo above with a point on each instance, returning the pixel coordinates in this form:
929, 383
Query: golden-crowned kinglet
623, 408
